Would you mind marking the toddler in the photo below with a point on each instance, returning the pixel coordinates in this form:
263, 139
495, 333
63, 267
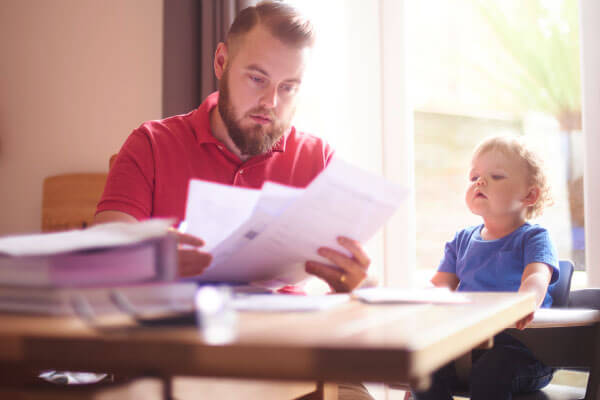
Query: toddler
507, 186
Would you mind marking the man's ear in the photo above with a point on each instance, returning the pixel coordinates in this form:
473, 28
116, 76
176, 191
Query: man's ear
221, 58
533, 196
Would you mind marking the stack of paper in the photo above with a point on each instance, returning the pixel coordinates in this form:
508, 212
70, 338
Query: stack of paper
422, 295
54, 273
115, 253
268, 234
143, 298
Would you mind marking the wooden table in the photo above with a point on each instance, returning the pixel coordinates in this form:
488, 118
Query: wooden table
351, 342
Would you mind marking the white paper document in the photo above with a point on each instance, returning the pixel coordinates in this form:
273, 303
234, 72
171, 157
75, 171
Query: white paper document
276, 229
109, 254
286, 302
151, 297
426, 295
96, 237
219, 208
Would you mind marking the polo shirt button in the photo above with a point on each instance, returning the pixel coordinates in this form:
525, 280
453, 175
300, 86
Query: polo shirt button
241, 171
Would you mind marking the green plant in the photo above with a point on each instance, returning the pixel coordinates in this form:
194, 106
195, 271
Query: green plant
542, 38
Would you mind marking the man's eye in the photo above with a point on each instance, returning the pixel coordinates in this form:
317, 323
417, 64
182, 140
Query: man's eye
256, 79
288, 88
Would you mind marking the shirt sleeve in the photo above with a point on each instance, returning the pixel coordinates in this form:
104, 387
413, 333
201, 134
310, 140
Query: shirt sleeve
130, 184
448, 263
539, 248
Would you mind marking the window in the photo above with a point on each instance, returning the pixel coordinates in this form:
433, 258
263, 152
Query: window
341, 94
483, 68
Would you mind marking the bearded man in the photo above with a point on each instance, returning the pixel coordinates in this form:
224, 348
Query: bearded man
241, 136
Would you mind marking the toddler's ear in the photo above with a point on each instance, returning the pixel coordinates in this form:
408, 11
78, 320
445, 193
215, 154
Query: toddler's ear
532, 196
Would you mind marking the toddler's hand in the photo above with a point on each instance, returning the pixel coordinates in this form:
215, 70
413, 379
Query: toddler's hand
522, 323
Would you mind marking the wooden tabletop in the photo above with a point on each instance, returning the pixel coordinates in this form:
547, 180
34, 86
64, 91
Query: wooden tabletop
351, 342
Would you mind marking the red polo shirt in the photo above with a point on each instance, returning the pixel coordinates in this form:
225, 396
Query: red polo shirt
150, 175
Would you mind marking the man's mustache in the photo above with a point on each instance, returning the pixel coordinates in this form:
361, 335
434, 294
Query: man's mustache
262, 111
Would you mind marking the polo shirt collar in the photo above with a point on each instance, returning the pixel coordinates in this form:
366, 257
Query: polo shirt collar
204, 133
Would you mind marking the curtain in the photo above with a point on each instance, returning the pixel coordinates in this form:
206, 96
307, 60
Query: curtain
217, 16
180, 86
192, 29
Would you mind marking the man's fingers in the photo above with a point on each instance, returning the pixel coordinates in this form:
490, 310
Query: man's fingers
339, 279
356, 249
337, 258
342, 261
345, 272
192, 262
331, 275
186, 238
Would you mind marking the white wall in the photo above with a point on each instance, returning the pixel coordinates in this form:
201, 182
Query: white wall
76, 77
398, 142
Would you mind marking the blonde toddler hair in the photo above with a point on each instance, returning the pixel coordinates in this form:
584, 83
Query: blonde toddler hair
514, 146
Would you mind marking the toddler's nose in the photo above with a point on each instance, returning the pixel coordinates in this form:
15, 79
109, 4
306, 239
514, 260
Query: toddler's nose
480, 182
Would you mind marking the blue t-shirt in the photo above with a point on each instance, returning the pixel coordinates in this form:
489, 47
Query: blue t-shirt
498, 265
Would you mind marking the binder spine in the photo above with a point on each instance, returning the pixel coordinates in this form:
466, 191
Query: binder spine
166, 258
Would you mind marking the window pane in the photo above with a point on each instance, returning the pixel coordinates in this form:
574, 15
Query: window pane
484, 68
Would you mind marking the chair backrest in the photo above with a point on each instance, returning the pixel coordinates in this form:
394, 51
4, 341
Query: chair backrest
69, 200
111, 160
585, 298
560, 290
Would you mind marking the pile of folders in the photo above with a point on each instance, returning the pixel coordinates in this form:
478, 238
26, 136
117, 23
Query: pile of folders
103, 269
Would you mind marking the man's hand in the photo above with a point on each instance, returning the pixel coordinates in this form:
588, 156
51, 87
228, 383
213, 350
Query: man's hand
192, 261
346, 273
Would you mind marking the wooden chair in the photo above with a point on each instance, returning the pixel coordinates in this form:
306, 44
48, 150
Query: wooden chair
69, 200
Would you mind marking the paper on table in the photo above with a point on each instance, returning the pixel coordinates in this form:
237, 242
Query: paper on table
427, 295
286, 302
97, 237
342, 200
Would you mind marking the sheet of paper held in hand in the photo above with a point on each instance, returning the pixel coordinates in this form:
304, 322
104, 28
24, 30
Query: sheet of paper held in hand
267, 235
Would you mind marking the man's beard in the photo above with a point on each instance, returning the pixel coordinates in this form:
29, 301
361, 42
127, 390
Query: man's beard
253, 140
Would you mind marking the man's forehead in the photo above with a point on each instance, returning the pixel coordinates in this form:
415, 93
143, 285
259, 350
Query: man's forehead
260, 50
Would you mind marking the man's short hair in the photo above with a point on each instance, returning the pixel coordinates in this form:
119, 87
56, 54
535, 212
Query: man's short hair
282, 20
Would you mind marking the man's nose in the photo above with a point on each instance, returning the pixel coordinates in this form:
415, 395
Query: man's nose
269, 97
